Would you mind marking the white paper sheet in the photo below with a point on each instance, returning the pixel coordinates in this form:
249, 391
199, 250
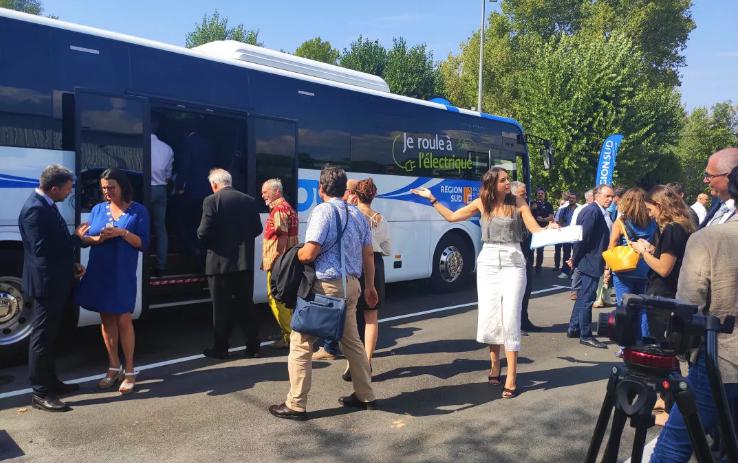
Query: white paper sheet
570, 234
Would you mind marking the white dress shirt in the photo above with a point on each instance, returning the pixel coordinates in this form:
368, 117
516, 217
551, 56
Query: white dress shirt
162, 158
700, 211
607, 216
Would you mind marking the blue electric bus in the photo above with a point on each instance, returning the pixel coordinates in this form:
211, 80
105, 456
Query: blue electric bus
85, 98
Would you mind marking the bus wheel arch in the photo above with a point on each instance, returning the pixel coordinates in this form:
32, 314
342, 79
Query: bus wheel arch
453, 261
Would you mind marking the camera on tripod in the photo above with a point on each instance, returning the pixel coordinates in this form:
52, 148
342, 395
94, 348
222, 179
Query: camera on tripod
655, 332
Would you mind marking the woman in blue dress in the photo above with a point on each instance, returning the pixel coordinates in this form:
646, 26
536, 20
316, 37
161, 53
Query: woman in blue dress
118, 232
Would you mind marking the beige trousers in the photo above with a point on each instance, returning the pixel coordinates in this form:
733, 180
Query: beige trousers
299, 360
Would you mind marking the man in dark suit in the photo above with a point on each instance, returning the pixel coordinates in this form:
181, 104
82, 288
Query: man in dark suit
587, 258
228, 227
49, 272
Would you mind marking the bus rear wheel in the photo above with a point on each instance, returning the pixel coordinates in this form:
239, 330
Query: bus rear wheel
452, 264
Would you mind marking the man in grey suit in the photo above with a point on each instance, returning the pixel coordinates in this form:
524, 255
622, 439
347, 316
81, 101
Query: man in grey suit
708, 279
229, 225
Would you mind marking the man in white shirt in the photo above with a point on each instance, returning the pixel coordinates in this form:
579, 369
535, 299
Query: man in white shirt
700, 206
162, 158
716, 177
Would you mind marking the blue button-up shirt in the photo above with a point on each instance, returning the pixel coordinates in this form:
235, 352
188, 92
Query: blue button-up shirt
322, 231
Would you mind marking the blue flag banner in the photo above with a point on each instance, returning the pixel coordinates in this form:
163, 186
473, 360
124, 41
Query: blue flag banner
607, 160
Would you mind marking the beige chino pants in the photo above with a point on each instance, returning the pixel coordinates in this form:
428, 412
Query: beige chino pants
299, 361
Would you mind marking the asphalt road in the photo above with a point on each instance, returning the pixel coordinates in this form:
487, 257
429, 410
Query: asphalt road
430, 377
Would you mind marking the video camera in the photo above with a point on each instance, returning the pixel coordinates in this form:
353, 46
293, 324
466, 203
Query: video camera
675, 328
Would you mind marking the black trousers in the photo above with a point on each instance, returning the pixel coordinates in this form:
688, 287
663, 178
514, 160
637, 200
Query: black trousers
48, 313
529, 254
232, 295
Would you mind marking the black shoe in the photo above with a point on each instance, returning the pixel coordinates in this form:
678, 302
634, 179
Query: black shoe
215, 354
157, 273
537, 271
528, 326
49, 404
353, 401
283, 411
555, 269
347, 375
64, 388
573, 333
592, 342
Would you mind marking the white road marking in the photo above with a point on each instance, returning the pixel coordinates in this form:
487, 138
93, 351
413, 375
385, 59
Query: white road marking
164, 363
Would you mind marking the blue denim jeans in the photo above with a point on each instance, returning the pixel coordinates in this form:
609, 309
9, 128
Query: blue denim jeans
673, 444
158, 204
624, 285
332, 347
582, 310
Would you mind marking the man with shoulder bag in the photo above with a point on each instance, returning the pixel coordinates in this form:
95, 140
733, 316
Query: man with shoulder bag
340, 250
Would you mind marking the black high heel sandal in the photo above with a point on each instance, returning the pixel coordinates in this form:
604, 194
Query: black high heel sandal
494, 380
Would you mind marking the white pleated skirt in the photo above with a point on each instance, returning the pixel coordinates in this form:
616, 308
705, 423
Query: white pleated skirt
501, 283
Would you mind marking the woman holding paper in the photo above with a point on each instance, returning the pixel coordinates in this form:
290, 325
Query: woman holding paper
501, 267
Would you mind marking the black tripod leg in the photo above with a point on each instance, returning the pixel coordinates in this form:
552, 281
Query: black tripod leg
726, 425
685, 400
603, 417
614, 439
642, 421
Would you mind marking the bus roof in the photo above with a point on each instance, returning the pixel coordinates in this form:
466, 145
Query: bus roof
233, 61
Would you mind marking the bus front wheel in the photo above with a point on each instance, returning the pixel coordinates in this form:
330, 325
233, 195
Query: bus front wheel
452, 264
15, 312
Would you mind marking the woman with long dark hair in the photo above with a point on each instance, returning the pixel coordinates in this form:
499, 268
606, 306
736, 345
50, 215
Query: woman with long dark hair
119, 231
501, 267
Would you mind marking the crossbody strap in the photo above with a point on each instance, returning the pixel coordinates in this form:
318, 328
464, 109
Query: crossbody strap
340, 233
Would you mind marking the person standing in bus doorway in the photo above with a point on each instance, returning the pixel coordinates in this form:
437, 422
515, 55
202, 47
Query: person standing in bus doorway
280, 233
356, 241
162, 158
49, 271
119, 231
228, 227
518, 189
329, 350
544, 214
501, 267
191, 187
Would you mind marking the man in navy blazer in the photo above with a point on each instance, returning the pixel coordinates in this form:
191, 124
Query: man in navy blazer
49, 272
587, 258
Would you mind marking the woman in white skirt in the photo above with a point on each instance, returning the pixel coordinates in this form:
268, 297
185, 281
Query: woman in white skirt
501, 267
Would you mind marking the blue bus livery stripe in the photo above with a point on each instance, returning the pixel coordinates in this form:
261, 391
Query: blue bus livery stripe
12, 181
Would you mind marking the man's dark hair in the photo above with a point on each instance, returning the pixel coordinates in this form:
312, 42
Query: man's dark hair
732, 184
123, 182
333, 181
618, 191
54, 176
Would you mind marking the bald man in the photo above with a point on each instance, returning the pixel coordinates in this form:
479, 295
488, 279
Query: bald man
701, 201
716, 177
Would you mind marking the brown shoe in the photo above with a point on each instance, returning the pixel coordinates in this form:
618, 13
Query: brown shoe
283, 411
323, 354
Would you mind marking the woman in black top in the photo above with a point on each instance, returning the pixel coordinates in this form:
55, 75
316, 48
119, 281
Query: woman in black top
675, 226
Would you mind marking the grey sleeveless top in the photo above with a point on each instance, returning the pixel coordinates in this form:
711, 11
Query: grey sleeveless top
503, 229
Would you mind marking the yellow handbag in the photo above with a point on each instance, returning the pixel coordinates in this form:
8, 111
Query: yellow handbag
621, 258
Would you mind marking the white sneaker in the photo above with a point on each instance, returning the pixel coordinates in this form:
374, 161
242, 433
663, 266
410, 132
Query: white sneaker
563, 276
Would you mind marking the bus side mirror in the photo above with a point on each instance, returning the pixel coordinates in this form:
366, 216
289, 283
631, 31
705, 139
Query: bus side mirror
547, 154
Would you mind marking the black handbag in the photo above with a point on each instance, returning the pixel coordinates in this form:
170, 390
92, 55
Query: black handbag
321, 315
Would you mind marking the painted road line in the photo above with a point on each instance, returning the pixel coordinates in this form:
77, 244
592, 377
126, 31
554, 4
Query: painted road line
165, 363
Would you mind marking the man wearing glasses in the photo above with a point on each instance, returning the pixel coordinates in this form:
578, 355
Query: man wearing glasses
716, 177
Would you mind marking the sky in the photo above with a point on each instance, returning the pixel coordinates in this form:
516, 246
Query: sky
711, 53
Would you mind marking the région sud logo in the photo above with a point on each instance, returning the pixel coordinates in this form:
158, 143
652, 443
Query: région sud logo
425, 151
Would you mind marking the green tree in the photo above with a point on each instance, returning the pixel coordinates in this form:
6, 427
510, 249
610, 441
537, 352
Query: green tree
705, 132
215, 27
319, 50
410, 71
26, 6
366, 56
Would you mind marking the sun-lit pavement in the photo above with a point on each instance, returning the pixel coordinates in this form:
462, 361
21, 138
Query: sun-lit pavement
429, 376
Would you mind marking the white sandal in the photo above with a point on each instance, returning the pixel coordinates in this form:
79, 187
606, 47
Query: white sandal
110, 381
129, 382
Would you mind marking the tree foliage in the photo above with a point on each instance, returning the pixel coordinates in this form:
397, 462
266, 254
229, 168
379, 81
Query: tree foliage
410, 71
26, 6
215, 27
365, 55
705, 132
319, 50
